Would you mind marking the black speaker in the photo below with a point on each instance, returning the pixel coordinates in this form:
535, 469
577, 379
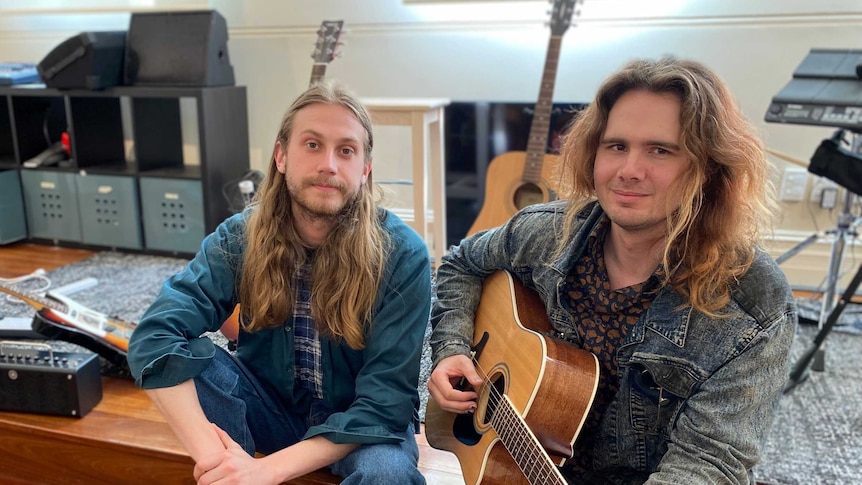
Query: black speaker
48, 382
89, 60
178, 49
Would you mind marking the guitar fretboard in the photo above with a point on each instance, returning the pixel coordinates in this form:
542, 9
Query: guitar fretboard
36, 301
541, 125
318, 72
523, 445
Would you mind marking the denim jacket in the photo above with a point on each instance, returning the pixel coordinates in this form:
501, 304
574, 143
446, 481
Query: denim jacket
697, 394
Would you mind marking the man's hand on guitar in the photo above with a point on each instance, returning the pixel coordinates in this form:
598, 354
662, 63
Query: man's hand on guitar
443, 384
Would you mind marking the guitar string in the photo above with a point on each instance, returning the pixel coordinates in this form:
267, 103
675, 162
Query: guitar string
538, 457
495, 397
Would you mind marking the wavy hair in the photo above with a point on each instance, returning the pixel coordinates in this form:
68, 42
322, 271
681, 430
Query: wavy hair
726, 199
346, 268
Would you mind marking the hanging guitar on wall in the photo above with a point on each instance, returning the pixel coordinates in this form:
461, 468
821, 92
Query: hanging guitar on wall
326, 48
518, 179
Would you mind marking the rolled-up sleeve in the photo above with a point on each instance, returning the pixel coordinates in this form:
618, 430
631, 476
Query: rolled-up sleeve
167, 346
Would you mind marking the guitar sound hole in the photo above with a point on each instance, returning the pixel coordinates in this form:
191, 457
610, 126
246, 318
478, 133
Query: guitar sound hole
498, 388
463, 427
464, 431
528, 194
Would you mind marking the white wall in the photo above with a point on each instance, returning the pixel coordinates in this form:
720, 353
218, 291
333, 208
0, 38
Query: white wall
495, 51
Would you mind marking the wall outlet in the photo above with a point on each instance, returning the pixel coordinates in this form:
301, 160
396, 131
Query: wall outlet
793, 184
829, 198
820, 184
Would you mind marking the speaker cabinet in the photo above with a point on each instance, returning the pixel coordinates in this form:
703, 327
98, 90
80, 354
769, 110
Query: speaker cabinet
89, 60
178, 49
46, 382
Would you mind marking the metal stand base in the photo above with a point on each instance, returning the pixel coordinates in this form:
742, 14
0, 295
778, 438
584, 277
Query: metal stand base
840, 233
800, 370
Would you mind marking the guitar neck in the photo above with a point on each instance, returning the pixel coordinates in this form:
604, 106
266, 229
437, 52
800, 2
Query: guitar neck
37, 302
318, 72
541, 125
64, 311
523, 445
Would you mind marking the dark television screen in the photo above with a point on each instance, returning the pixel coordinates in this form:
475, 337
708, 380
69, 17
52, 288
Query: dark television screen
478, 131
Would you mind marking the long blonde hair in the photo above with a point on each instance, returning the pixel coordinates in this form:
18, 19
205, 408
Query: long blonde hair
346, 268
726, 197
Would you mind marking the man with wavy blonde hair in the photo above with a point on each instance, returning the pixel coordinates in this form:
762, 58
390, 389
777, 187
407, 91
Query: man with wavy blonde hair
654, 267
334, 293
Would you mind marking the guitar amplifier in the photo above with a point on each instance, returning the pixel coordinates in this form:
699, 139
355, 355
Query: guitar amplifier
35, 379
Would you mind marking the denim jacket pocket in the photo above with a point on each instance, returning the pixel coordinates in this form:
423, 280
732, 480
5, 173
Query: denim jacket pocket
657, 393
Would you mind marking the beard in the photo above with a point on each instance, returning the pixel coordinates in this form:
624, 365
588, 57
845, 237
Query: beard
333, 207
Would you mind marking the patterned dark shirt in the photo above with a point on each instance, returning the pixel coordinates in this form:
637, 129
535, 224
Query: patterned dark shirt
605, 318
305, 337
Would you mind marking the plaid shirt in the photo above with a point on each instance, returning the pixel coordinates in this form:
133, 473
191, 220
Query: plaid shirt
307, 343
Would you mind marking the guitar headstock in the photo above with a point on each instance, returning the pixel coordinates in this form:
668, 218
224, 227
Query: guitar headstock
325, 49
561, 15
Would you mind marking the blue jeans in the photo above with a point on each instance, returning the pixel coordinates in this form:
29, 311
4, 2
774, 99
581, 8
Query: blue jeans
233, 399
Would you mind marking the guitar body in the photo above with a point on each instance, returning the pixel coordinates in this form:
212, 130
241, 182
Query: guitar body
55, 327
550, 383
506, 191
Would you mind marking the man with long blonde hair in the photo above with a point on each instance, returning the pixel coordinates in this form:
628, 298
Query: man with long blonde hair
334, 293
653, 265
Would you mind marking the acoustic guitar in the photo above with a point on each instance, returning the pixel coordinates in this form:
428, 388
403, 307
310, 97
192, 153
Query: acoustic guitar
60, 318
518, 179
536, 394
325, 50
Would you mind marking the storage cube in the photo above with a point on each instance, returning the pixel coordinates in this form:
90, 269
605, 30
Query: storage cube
52, 205
109, 211
12, 223
173, 214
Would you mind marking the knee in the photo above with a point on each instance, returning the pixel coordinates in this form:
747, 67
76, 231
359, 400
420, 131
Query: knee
390, 467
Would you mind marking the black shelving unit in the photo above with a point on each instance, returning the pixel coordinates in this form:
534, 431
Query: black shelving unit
86, 199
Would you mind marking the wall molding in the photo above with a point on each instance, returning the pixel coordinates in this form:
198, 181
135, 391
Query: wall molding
469, 26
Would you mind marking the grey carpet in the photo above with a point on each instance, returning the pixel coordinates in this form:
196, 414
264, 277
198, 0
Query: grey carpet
127, 284
816, 437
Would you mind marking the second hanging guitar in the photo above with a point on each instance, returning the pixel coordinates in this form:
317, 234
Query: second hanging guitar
518, 179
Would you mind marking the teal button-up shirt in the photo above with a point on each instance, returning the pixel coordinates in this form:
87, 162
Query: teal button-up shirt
372, 391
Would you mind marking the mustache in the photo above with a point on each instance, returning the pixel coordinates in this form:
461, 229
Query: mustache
327, 181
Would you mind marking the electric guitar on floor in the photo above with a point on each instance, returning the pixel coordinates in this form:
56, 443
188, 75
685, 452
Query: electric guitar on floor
58, 317
518, 179
326, 48
536, 394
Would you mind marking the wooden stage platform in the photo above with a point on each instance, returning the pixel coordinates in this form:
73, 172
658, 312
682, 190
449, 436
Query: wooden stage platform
124, 439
